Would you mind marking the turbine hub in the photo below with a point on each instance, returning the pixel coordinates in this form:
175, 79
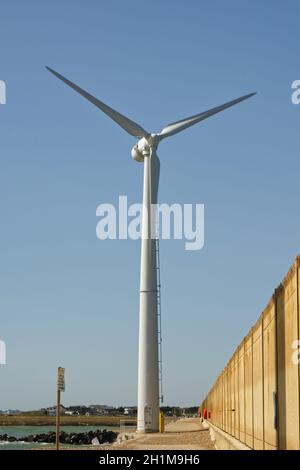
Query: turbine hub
136, 154
153, 140
143, 146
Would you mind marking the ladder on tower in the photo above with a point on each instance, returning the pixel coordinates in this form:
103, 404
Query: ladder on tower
160, 381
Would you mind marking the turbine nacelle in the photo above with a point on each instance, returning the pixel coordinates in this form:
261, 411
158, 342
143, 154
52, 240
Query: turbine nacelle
142, 147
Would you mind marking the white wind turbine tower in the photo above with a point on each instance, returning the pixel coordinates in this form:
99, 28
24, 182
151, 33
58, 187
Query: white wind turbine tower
145, 151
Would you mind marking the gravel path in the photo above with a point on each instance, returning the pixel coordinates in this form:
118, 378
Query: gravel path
185, 434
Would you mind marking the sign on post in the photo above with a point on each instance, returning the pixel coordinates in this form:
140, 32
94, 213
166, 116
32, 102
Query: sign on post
61, 379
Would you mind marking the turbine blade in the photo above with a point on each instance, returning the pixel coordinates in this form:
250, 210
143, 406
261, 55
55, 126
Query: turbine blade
179, 126
127, 124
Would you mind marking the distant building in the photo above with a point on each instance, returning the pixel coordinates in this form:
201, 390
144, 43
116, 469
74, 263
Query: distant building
72, 413
12, 412
76, 410
130, 411
102, 410
51, 411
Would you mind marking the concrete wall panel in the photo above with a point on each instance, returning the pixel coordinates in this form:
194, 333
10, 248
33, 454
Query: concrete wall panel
248, 391
291, 369
241, 374
236, 412
258, 408
232, 398
270, 384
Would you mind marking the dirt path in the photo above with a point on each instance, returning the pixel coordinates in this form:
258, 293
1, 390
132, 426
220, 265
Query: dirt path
185, 434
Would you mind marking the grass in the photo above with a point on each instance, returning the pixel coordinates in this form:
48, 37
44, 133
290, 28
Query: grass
38, 420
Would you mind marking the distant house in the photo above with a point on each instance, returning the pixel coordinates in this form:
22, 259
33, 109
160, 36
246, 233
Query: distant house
109, 410
12, 412
51, 411
130, 411
101, 410
76, 410
72, 413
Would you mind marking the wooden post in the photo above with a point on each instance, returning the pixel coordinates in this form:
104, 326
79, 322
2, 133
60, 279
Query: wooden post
60, 388
57, 418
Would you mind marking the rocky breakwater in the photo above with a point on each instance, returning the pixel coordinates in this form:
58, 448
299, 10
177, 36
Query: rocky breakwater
80, 438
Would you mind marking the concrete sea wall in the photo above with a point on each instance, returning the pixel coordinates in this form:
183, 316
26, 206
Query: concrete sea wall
255, 399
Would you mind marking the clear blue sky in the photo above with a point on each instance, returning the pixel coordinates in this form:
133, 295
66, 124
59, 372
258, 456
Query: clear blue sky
67, 298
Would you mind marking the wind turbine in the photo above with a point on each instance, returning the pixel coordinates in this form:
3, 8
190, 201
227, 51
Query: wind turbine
145, 151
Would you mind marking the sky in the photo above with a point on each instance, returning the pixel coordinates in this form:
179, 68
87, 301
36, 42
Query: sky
69, 299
